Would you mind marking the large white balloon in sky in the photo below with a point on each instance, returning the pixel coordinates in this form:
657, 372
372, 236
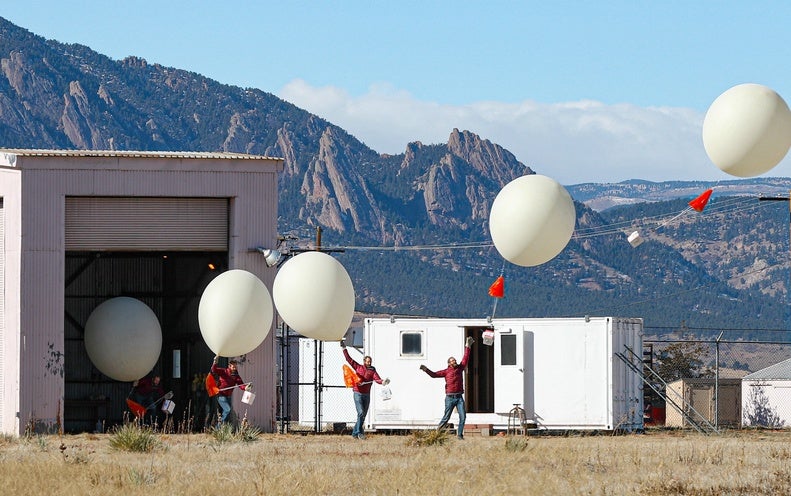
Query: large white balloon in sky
532, 220
235, 313
123, 338
314, 295
747, 130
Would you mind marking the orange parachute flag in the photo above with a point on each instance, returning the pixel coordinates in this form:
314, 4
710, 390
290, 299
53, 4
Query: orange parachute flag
350, 378
211, 386
136, 408
497, 289
699, 203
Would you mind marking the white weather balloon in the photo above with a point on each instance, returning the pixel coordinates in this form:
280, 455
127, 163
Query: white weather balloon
314, 295
747, 130
531, 220
235, 313
123, 338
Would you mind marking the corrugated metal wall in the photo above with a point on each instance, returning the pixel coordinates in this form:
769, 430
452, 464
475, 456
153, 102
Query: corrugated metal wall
2, 309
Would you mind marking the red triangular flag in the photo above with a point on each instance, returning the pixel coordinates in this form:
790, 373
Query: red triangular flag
497, 289
699, 203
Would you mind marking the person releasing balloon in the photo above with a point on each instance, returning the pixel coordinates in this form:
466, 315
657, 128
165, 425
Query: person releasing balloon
229, 380
362, 389
147, 390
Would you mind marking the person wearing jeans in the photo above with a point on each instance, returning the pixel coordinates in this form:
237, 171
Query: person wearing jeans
228, 380
454, 387
367, 375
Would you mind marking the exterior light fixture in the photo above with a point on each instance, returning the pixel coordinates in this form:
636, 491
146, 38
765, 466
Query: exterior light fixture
272, 257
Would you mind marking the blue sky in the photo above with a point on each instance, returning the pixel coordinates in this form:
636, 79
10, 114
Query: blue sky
579, 91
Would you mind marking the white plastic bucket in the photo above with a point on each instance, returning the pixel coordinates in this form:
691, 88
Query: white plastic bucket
248, 397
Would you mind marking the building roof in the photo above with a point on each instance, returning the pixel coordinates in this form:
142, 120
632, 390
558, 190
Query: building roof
132, 154
781, 370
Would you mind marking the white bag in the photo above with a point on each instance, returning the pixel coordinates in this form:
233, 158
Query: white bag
248, 397
168, 406
386, 393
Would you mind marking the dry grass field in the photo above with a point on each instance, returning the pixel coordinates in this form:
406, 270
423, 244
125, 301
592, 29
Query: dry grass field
655, 463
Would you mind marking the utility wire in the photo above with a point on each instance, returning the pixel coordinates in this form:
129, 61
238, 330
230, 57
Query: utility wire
718, 210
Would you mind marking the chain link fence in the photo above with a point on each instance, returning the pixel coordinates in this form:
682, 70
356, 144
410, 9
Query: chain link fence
312, 394
725, 383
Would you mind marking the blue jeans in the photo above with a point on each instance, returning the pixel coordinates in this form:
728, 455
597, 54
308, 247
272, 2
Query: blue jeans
454, 401
225, 406
361, 402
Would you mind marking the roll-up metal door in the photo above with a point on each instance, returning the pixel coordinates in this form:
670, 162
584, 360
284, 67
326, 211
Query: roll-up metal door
146, 224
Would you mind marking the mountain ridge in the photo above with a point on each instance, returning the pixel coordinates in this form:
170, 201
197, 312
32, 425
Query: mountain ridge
61, 96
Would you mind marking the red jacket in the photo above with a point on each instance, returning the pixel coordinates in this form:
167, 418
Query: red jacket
226, 380
367, 375
454, 376
146, 387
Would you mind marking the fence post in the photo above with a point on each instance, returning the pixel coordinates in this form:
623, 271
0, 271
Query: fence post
717, 382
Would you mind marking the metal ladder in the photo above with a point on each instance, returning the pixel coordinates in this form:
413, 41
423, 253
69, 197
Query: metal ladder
692, 416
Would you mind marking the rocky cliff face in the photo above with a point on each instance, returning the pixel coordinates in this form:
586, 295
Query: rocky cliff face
66, 96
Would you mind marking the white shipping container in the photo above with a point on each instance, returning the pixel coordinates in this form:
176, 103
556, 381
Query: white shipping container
562, 371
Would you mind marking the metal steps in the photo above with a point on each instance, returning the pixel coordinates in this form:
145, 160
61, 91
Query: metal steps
649, 377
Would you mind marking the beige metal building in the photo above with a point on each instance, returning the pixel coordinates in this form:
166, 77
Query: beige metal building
79, 227
700, 394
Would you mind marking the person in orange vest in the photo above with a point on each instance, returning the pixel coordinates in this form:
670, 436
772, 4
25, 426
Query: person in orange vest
362, 389
229, 379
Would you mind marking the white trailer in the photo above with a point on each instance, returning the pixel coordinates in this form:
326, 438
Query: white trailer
563, 372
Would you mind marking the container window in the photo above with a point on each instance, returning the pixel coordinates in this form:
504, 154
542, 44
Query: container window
508, 349
411, 343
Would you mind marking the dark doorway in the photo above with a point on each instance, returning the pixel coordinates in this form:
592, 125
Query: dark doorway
171, 284
479, 376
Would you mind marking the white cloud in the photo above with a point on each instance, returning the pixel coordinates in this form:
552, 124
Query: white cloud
573, 142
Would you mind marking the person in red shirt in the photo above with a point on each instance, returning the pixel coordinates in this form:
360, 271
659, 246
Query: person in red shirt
147, 390
454, 387
362, 389
228, 379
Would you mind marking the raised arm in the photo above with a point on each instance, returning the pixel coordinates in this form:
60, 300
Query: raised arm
350, 359
467, 345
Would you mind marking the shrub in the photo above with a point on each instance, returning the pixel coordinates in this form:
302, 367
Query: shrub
133, 437
432, 437
226, 433
515, 444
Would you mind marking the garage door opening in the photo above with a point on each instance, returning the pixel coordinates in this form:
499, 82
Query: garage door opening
171, 284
